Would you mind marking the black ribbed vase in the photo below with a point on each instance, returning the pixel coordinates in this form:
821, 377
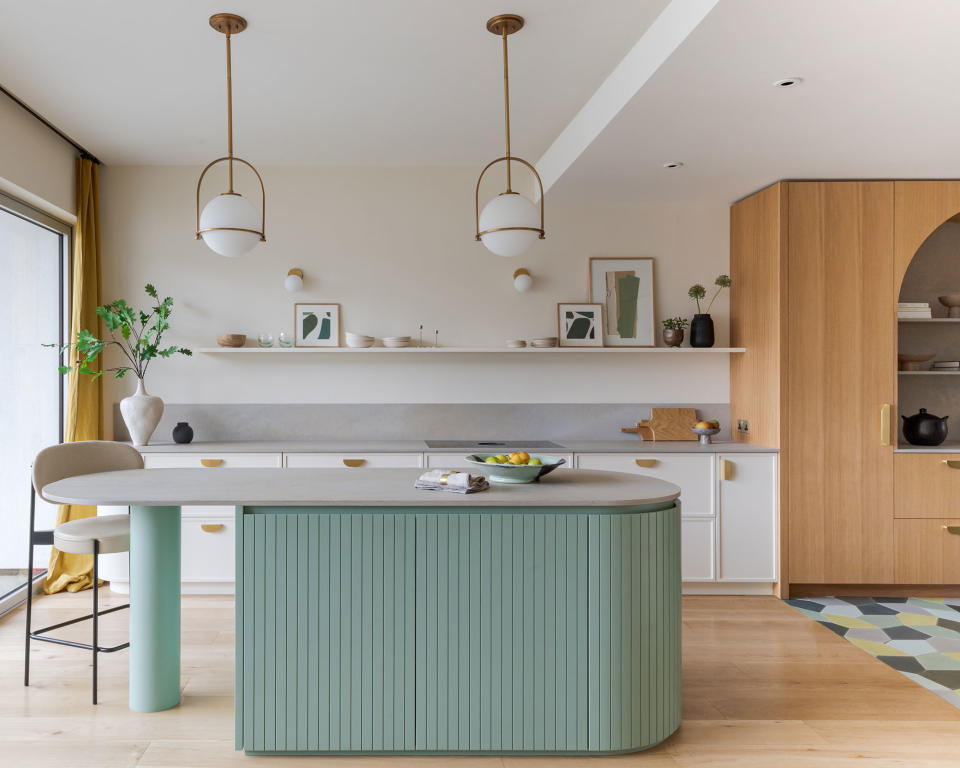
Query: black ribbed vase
701, 331
182, 433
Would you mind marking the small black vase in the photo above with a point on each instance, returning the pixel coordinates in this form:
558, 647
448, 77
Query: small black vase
182, 433
701, 331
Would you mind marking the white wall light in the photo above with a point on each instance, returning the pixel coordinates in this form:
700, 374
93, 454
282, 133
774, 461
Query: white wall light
293, 282
522, 280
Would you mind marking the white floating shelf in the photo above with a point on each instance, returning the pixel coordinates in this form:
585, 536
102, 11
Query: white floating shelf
928, 373
469, 350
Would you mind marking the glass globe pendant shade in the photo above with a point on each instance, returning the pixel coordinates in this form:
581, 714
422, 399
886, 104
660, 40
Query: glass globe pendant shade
509, 210
224, 217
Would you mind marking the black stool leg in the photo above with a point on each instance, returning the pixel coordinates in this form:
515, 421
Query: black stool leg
26, 653
96, 610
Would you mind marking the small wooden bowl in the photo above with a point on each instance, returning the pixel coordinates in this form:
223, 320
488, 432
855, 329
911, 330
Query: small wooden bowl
914, 362
231, 339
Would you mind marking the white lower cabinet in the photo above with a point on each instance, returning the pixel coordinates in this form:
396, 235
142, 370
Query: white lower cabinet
698, 546
748, 517
728, 509
353, 460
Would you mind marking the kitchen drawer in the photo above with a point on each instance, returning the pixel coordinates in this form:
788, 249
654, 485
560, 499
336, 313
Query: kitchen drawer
211, 460
925, 484
458, 460
698, 545
357, 460
693, 473
927, 552
207, 548
748, 517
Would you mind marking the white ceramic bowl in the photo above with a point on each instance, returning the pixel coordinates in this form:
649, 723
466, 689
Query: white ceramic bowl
358, 340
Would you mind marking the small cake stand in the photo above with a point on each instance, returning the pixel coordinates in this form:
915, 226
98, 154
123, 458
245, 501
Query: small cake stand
705, 434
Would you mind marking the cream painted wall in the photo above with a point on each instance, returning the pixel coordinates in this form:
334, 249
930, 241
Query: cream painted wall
36, 165
394, 246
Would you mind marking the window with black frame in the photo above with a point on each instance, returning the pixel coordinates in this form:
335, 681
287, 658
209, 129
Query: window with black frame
34, 264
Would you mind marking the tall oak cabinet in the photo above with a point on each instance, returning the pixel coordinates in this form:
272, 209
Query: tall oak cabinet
816, 270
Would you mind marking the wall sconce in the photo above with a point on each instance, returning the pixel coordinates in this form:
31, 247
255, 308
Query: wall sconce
293, 282
522, 281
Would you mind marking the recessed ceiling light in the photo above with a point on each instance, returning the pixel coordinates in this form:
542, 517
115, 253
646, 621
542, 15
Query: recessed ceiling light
673, 164
788, 82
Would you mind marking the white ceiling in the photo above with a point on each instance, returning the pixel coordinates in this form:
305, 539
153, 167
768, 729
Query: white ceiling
879, 100
315, 81
419, 82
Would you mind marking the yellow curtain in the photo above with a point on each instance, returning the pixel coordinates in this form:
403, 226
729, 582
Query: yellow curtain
83, 421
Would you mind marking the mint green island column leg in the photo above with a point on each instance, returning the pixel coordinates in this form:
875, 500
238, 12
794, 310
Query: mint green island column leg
154, 608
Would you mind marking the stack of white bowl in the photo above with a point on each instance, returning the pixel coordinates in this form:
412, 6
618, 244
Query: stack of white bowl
544, 343
359, 340
395, 342
516, 343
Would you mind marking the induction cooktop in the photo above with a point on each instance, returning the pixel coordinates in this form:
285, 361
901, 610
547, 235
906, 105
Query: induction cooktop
483, 445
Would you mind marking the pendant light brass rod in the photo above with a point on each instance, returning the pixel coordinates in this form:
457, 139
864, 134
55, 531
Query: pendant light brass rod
229, 112
506, 102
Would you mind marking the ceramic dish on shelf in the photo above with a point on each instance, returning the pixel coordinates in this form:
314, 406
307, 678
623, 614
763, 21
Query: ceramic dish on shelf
396, 342
515, 473
516, 343
231, 339
952, 302
546, 342
913, 362
358, 340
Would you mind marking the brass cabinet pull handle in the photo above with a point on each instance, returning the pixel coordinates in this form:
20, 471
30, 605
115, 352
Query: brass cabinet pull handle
646, 462
354, 462
885, 424
954, 529
952, 463
211, 462
211, 527
726, 469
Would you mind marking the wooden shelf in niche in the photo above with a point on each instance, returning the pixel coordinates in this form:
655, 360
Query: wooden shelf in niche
928, 320
928, 373
682, 351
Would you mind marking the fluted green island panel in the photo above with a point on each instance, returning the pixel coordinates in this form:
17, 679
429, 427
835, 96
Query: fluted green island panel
457, 630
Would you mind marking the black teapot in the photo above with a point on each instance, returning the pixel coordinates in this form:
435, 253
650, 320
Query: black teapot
924, 428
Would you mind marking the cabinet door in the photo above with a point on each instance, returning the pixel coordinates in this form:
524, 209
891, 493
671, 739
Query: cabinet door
692, 472
927, 484
352, 460
325, 627
748, 517
841, 370
698, 545
928, 551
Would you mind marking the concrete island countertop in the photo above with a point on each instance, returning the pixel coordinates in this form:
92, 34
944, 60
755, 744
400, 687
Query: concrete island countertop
419, 446
347, 488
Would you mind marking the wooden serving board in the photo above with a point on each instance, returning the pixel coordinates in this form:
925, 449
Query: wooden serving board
673, 423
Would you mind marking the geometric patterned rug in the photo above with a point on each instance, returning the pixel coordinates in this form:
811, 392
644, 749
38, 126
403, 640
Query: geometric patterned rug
918, 637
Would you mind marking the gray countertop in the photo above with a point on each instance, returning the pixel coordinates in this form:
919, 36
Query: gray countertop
419, 446
347, 488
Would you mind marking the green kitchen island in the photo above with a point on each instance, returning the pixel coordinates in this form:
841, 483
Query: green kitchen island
375, 618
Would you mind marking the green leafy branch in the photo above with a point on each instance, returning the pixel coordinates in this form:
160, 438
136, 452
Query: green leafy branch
136, 333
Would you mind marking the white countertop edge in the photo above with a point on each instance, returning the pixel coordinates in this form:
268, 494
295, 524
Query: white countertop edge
575, 488
419, 446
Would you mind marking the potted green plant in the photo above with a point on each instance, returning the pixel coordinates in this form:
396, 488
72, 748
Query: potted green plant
137, 334
701, 329
673, 330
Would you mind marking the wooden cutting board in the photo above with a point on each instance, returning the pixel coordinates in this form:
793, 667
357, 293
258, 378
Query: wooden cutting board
673, 423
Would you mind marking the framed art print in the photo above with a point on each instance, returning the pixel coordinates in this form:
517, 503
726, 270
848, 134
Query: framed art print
580, 325
624, 286
316, 325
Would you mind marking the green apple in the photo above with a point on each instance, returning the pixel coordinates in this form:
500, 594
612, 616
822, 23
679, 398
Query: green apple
502, 459
491, 460
534, 462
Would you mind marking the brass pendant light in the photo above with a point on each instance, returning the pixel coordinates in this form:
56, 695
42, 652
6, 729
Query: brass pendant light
507, 226
228, 223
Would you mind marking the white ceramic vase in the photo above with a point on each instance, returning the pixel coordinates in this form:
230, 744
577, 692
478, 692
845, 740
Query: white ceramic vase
141, 413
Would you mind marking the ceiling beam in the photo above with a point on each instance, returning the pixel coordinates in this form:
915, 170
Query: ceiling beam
663, 37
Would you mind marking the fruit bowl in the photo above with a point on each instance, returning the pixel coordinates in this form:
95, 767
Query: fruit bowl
516, 473
705, 434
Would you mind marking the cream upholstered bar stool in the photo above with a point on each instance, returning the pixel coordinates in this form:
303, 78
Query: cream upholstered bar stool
98, 535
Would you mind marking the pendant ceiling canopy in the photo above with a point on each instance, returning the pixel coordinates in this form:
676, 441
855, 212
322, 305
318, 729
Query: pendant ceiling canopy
229, 224
510, 222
